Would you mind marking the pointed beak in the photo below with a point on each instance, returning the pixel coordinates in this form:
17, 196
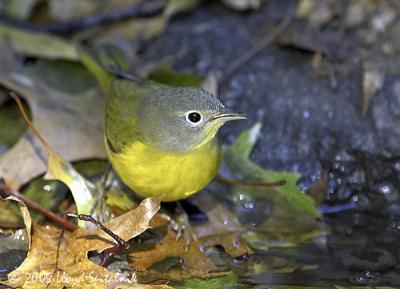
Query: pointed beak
228, 116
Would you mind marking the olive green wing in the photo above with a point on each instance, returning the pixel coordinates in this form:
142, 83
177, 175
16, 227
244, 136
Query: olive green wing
120, 114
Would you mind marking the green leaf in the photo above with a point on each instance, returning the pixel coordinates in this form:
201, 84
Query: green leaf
48, 194
246, 141
166, 75
83, 191
265, 241
12, 126
237, 159
66, 76
37, 44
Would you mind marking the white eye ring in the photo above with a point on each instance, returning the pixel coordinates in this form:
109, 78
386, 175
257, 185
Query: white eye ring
193, 117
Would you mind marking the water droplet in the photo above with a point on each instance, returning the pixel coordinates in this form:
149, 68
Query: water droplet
385, 189
363, 278
344, 156
47, 188
249, 205
397, 166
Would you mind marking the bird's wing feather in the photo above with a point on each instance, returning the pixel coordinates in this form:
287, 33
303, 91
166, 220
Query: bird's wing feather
120, 115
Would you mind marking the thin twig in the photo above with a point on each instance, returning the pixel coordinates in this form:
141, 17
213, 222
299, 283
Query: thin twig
88, 218
29, 122
143, 9
108, 253
6, 191
264, 42
250, 184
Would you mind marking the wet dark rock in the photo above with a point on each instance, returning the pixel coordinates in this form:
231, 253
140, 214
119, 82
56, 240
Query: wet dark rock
371, 259
385, 112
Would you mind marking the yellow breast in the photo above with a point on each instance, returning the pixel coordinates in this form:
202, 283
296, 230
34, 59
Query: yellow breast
168, 176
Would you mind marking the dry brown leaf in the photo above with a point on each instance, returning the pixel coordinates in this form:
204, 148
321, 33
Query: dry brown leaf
132, 223
20, 9
211, 83
223, 228
58, 259
63, 10
78, 116
195, 262
232, 242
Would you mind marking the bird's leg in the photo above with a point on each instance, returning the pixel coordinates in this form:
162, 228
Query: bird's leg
101, 211
182, 226
106, 180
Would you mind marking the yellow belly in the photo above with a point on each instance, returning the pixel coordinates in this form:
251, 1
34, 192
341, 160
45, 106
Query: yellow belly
167, 176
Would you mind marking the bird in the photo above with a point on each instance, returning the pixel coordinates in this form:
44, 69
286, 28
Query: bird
161, 141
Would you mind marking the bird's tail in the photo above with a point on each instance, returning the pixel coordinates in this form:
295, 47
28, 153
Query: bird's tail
102, 63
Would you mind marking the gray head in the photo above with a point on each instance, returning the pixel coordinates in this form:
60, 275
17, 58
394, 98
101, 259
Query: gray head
180, 119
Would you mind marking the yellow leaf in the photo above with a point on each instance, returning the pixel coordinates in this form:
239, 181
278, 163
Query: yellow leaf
83, 191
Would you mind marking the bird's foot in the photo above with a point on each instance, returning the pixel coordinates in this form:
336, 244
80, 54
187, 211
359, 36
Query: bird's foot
184, 229
181, 224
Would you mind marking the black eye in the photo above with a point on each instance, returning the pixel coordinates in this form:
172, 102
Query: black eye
193, 117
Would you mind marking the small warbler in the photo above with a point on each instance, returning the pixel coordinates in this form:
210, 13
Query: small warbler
161, 141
